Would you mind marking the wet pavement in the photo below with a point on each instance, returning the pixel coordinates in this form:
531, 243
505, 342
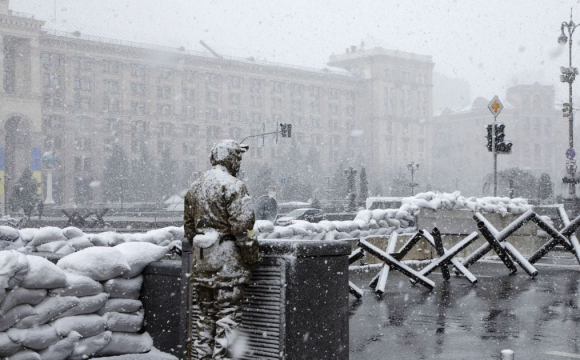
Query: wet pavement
536, 318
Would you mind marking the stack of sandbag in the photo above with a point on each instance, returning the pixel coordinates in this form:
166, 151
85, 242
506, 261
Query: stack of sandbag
86, 305
71, 239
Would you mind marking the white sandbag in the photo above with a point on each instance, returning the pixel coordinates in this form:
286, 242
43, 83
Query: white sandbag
327, 225
80, 243
13, 269
298, 237
331, 235
65, 250
379, 214
139, 255
86, 305
354, 234
8, 233
341, 226
263, 236
383, 224
62, 349
364, 215
373, 225
425, 196
263, 226
124, 322
25, 355
382, 231
48, 309
46, 235
121, 305
27, 234
86, 325
394, 223
15, 245
342, 236
319, 236
298, 230
391, 213
177, 232
361, 225
363, 234
104, 238
51, 247
78, 285
308, 226
352, 226
37, 338
156, 236
372, 231
42, 274
285, 233
7, 346
402, 214
98, 263
20, 296
72, 232
90, 346
165, 243
125, 343
124, 288
16, 314
272, 236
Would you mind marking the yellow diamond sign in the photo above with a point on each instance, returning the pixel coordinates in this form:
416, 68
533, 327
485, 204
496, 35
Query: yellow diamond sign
495, 106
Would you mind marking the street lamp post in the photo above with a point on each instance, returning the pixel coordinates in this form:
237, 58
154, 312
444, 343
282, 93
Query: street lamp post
568, 75
412, 168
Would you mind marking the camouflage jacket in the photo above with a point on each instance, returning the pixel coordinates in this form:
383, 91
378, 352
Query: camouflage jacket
221, 202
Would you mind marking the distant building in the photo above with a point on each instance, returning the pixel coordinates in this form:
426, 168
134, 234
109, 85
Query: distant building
533, 123
77, 94
451, 93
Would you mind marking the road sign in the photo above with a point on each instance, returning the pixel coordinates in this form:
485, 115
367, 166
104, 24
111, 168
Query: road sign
570, 154
495, 106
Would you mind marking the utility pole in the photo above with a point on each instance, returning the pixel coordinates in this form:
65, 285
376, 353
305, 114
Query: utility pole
495, 138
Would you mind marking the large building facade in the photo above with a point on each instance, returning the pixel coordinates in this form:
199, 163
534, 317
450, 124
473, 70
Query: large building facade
77, 95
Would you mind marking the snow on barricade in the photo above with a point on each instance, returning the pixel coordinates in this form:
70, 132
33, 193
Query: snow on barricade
385, 221
86, 305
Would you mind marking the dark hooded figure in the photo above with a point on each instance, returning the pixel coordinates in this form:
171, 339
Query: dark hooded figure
218, 222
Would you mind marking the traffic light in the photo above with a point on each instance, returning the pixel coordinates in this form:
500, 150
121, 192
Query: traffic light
286, 130
502, 146
566, 110
489, 137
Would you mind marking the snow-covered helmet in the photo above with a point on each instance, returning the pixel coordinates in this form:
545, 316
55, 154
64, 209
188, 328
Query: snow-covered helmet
228, 153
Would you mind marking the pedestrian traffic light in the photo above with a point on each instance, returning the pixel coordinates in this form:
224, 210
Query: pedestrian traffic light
499, 135
566, 110
289, 129
502, 146
489, 137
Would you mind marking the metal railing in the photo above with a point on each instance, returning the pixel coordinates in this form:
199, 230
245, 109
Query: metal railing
80, 36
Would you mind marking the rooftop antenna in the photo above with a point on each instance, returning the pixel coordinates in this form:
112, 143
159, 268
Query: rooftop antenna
209, 49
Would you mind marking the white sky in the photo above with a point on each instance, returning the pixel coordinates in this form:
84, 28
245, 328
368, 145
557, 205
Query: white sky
492, 44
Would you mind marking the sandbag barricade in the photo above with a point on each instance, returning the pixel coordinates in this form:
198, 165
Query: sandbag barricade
87, 305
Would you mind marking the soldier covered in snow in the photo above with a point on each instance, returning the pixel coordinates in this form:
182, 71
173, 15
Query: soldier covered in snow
218, 222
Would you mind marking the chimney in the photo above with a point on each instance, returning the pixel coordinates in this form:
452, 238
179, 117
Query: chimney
4, 7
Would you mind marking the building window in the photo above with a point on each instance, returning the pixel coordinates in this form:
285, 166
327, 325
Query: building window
214, 132
315, 122
212, 79
333, 109
255, 85
235, 115
164, 92
315, 92
82, 63
188, 94
212, 97
277, 104
188, 149
137, 89
52, 122
333, 94
296, 89
350, 111
110, 87
188, 112
315, 107
256, 100
211, 114
234, 99
277, 87
256, 118
137, 69
82, 143
189, 76
138, 107
110, 67
163, 109
111, 105
235, 82
163, 74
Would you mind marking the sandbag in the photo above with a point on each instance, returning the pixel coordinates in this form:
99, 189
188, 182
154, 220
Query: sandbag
62, 349
354, 234
21, 296
331, 235
121, 305
51, 247
86, 325
65, 250
98, 263
15, 245
80, 243
139, 255
36, 338
48, 309
125, 322
78, 285
107, 238
27, 234
327, 225
8, 233
13, 268
263, 226
177, 232
25, 355
72, 232
124, 343
16, 314
7, 346
364, 215
86, 305
124, 288
90, 346
319, 236
42, 274
46, 235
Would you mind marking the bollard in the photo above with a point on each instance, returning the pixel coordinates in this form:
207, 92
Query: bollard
507, 355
